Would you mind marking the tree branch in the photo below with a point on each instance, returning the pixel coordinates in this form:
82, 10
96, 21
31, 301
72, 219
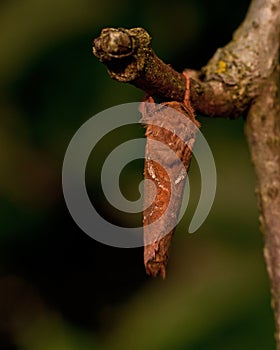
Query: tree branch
224, 87
241, 78
231, 79
263, 134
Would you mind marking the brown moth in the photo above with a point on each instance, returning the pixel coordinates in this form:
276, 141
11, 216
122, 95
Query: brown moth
155, 243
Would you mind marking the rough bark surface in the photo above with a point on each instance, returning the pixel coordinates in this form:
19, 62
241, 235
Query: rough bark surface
242, 78
263, 134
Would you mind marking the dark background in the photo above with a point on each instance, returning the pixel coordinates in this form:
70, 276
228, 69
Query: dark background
60, 289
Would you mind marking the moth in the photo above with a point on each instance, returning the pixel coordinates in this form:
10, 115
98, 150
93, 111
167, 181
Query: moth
165, 174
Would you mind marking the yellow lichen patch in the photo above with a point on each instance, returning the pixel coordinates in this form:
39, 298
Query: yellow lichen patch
222, 66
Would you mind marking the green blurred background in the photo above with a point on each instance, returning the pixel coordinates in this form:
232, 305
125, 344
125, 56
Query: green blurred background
60, 289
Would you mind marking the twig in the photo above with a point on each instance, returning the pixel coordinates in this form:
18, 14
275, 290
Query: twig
128, 56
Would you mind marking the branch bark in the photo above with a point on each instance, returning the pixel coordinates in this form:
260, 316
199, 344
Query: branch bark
263, 135
242, 78
129, 57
